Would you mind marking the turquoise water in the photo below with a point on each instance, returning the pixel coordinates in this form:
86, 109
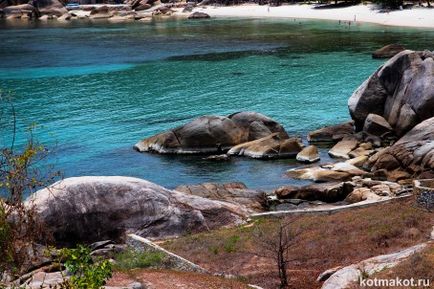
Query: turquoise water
95, 89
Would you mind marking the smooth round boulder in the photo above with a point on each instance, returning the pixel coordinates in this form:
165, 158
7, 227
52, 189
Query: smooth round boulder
90, 209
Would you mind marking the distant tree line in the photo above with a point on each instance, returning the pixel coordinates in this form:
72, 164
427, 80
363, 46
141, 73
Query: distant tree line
384, 4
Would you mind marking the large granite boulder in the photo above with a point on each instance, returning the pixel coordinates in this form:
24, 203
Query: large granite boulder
88, 209
212, 134
413, 153
269, 147
401, 91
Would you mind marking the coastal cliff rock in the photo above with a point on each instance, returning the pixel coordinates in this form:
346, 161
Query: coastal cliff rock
413, 153
212, 134
401, 91
269, 147
88, 209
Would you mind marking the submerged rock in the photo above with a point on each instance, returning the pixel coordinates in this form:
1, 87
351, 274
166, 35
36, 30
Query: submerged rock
401, 91
388, 51
212, 134
89, 209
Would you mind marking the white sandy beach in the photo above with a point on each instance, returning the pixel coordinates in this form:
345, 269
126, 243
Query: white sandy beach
416, 17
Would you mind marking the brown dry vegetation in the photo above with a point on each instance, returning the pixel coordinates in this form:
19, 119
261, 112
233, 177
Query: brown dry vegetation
324, 241
419, 266
164, 279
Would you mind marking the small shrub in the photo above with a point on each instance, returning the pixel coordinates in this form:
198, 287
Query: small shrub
86, 273
131, 259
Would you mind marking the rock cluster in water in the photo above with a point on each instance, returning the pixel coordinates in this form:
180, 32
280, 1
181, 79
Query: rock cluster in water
244, 133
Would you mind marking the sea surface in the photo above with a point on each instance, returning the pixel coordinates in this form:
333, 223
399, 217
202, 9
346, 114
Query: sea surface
92, 90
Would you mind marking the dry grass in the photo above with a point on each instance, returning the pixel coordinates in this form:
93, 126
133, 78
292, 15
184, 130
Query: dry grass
325, 241
164, 279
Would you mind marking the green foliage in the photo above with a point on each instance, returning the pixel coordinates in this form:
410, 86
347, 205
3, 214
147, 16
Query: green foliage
131, 259
86, 273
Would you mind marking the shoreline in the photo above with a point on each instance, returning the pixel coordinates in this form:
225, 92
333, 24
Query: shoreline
416, 17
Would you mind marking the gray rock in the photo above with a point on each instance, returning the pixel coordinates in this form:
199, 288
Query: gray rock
88, 209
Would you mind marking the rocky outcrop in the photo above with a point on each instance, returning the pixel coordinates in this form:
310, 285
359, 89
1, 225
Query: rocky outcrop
388, 51
212, 134
331, 134
308, 155
87, 209
198, 15
413, 153
401, 91
269, 147
236, 193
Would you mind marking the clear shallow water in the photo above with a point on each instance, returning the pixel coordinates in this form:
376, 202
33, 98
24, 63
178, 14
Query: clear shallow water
96, 89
